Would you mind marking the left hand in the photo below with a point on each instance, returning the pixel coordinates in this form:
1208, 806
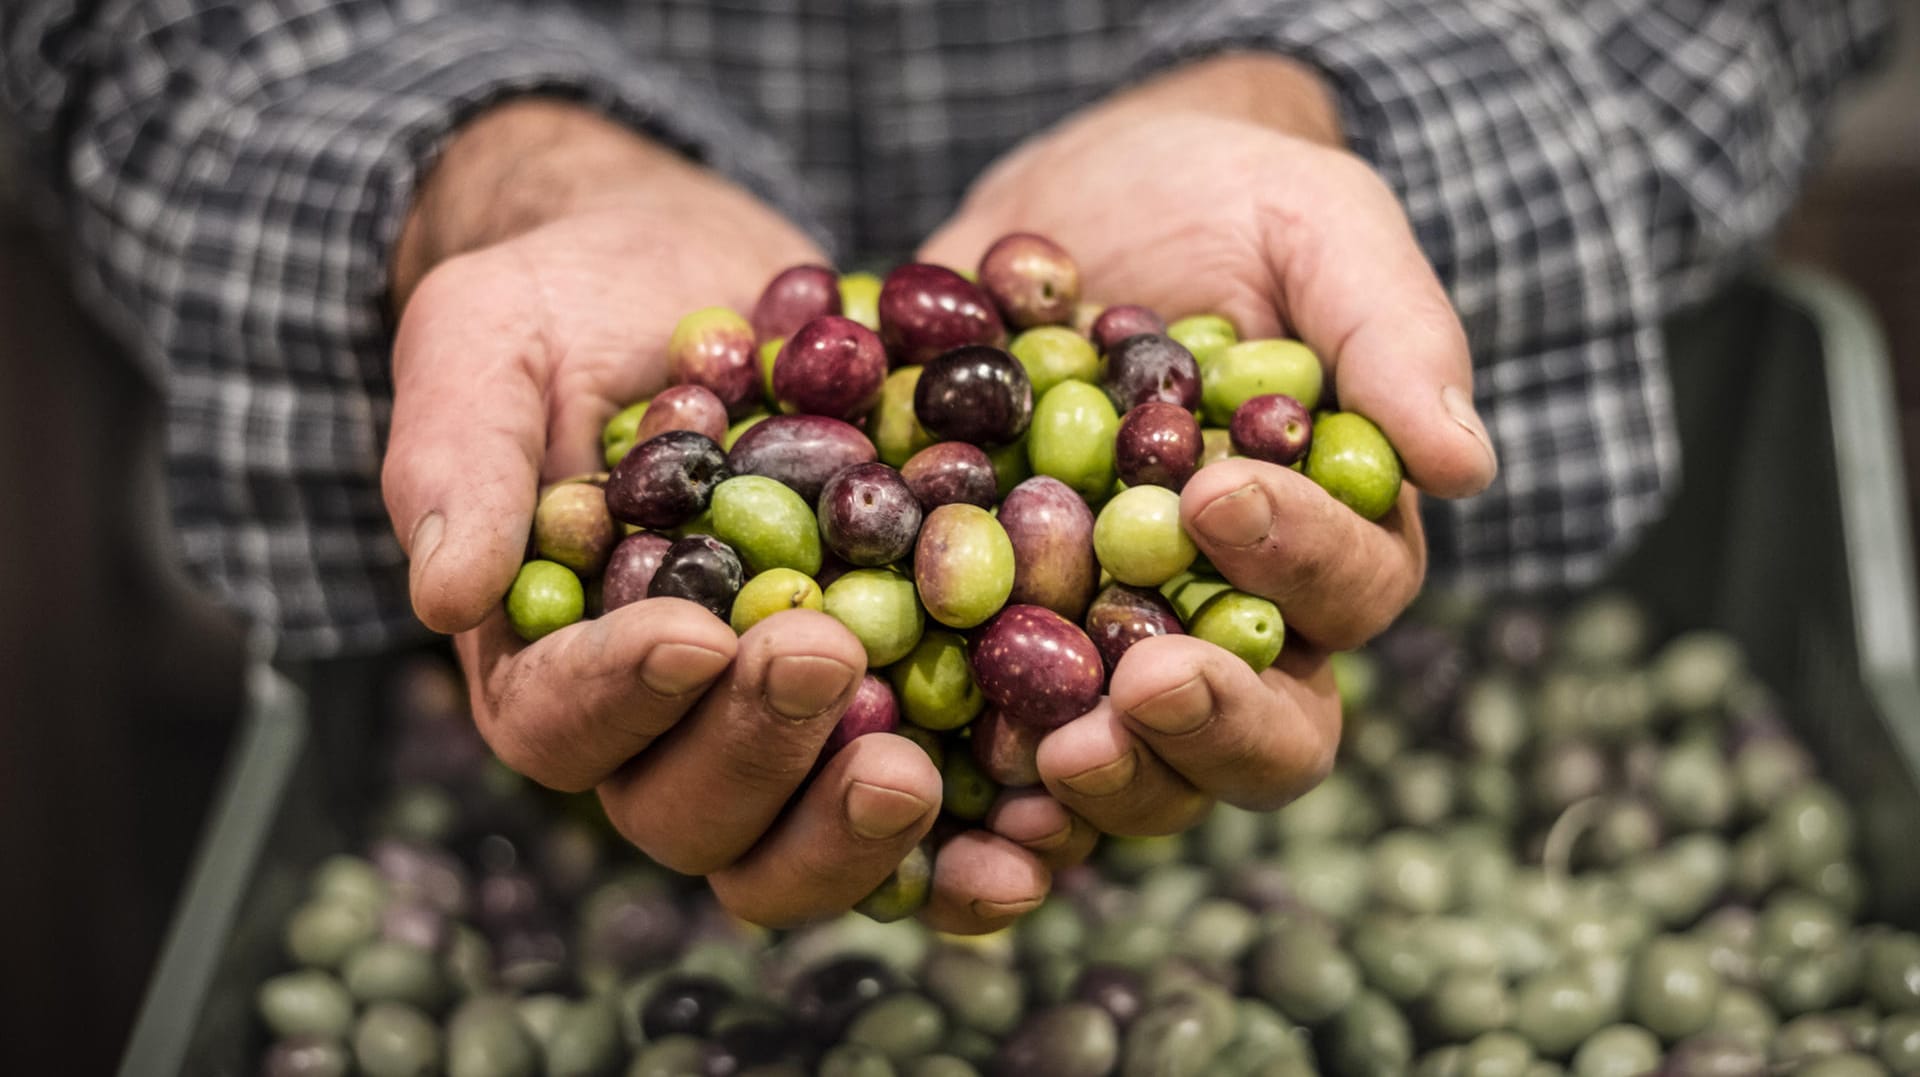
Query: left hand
1223, 187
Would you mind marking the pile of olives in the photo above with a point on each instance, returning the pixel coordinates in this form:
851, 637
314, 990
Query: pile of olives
995, 520
1547, 849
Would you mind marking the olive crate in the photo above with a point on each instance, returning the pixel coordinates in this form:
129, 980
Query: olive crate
1789, 532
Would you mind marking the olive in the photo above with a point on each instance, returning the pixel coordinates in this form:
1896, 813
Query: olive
1674, 989
1072, 437
1497, 1054
831, 366
1897, 1042
826, 998
586, 1040
951, 472
1053, 354
967, 791
1809, 1037
1811, 827
1466, 1002
1370, 1037
860, 298
486, 1038
666, 480
767, 524
1411, 872
1627, 827
976, 991
1444, 1061
1352, 460
701, 569
1246, 626
1767, 769
1123, 320
1275, 428
545, 597
630, 569
385, 971
1118, 990
800, 451
1617, 1051
1744, 1016
1122, 616
1173, 1037
773, 591
1074, 1039
1205, 335
321, 933
1051, 530
1036, 666
1229, 836
1031, 279
1694, 786
963, 565
1332, 879
1139, 538
1421, 789
895, 429
1389, 953
977, 394
1892, 973
795, 296
879, 606
1055, 928
395, 1040
1568, 771
1605, 629
1558, 1008
1811, 981
1851, 1064
940, 1066
926, 310
1216, 933
571, 526
1151, 367
1158, 444
1006, 751
900, 1026
305, 1003
621, 431
1304, 974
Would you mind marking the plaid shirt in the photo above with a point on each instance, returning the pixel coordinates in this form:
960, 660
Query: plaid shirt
234, 173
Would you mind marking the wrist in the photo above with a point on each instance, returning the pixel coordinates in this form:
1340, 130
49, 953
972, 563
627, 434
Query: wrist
1268, 89
513, 168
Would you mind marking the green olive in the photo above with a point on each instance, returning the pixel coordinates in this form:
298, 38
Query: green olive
485, 1038
768, 524
1139, 538
860, 298
1351, 459
1811, 827
968, 791
1897, 1042
978, 992
1893, 972
1743, 1015
321, 933
394, 1040
774, 591
900, 1027
1617, 1051
1246, 626
617, 437
904, 891
1497, 1054
1389, 952
1411, 872
1304, 974
305, 1003
880, 607
545, 598
1053, 354
1557, 1009
935, 682
1236, 374
1371, 1037
1205, 335
385, 971
586, 1040
1465, 1003
1674, 989
1191, 590
1010, 466
1071, 438
733, 432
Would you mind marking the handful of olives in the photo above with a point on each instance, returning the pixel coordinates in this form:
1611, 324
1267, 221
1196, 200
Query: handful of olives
896, 461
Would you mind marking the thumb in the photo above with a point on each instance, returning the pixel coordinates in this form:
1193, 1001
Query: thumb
463, 458
1359, 291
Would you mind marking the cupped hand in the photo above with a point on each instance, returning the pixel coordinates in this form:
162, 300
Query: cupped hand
1223, 187
540, 274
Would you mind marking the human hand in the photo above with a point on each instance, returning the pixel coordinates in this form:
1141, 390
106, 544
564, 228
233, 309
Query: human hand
541, 270
1222, 187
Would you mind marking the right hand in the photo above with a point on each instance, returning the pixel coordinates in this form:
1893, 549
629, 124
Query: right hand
540, 272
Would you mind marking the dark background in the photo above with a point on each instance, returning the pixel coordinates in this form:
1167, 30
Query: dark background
119, 682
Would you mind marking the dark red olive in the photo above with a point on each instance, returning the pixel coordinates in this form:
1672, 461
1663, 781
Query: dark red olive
1036, 666
929, 309
950, 472
1275, 428
794, 297
1116, 324
702, 569
684, 407
666, 480
1051, 529
1158, 444
873, 710
1122, 616
800, 451
1032, 279
830, 366
1149, 366
867, 515
1008, 751
630, 570
977, 394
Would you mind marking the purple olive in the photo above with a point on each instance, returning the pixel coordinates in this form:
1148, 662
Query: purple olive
1051, 529
1158, 444
1036, 666
868, 516
800, 451
830, 366
684, 407
1008, 751
951, 472
1122, 616
1149, 366
1116, 324
1275, 428
701, 569
794, 297
977, 394
1120, 991
630, 570
1032, 279
307, 1056
873, 710
666, 480
714, 347
414, 922
929, 309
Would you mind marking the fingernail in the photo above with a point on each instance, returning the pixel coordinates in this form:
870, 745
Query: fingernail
1002, 910
876, 812
1105, 779
674, 669
425, 539
1241, 518
802, 685
1177, 710
1460, 406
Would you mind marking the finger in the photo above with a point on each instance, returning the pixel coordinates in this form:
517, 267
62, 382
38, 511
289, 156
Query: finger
468, 435
702, 796
1253, 740
982, 882
1102, 772
1355, 286
1035, 821
1338, 577
569, 710
858, 819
